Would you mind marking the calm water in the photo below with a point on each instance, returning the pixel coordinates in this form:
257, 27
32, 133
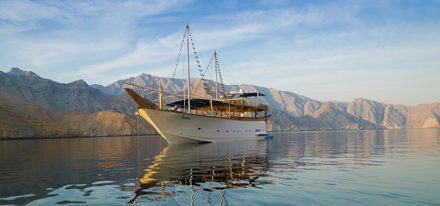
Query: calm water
389, 167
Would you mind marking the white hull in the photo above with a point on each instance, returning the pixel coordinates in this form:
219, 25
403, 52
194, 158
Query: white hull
178, 128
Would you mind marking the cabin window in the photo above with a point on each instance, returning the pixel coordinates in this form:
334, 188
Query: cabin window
200, 128
257, 130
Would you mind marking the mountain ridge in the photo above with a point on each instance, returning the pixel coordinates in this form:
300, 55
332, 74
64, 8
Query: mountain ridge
290, 111
383, 115
75, 96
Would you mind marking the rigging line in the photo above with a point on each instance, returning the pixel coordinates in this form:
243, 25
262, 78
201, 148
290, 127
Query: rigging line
220, 76
202, 79
195, 100
178, 57
171, 94
206, 69
205, 83
182, 71
227, 72
145, 94
198, 55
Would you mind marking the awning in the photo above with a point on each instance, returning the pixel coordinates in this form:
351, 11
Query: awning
253, 94
197, 103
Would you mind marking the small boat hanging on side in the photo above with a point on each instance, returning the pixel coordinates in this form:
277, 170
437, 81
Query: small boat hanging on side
192, 119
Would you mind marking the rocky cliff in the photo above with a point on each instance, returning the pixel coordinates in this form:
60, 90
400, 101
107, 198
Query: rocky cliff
396, 116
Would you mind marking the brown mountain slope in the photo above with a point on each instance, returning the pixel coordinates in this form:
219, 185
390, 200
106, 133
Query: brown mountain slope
282, 121
386, 115
27, 120
368, 110
14, 124
423, 116
338, 118
396, 116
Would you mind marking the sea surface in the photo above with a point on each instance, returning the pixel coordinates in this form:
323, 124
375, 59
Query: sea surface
384, 167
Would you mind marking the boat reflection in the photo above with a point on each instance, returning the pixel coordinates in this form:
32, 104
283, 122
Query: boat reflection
204, 167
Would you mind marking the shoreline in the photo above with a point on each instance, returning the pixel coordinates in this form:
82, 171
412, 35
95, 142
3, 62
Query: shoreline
71, 137
156, 134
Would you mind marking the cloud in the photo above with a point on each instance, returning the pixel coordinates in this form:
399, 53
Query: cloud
23, 11
90, 29
144, 53
164, 48
20, 11
68, 34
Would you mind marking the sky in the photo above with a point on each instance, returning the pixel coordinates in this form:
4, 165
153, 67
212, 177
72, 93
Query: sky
388, 51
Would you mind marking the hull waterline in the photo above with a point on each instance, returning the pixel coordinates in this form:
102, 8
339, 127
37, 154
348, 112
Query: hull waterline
178, 128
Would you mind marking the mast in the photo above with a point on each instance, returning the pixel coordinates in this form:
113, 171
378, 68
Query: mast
187, 59
215, 66
160, 96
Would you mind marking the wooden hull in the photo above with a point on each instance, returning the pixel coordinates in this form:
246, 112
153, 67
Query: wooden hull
178, 128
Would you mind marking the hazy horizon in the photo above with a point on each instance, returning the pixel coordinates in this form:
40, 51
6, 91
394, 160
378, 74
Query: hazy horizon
387, 51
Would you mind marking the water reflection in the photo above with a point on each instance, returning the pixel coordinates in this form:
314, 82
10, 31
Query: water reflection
208, 168
344, 167
356, 146
34, 169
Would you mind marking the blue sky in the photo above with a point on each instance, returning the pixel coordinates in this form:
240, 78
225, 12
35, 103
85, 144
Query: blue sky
388, 51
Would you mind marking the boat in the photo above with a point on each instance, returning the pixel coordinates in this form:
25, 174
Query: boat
194, 119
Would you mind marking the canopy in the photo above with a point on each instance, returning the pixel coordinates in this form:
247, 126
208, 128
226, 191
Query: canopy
242, 95
197, 103
253, 94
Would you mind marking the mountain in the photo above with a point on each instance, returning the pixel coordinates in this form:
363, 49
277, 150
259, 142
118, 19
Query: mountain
16, 124
76, 96
29, 120
282, 121
49, 108
328, 117
338, 118
396, 116
32, 106
292, 111
423, 116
